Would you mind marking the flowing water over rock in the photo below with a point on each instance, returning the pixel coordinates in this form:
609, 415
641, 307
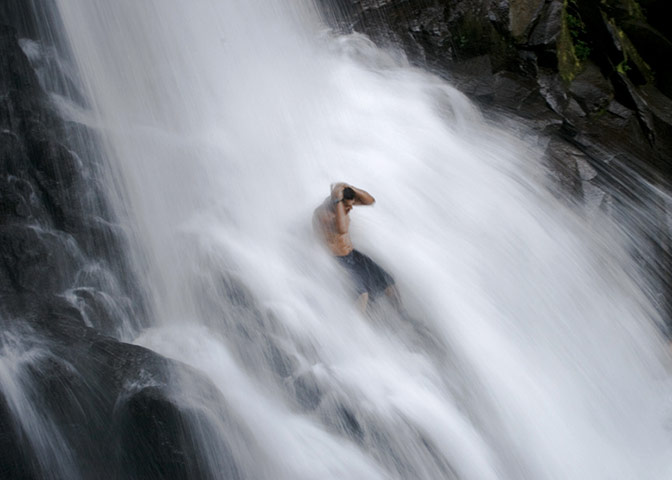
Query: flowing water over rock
532, 351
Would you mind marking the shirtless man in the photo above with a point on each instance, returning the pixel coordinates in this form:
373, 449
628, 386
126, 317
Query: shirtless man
332, 222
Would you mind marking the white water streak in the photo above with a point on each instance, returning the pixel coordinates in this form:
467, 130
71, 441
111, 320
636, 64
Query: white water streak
31, 425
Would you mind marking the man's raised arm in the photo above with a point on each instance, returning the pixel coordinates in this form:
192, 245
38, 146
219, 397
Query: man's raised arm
362, 197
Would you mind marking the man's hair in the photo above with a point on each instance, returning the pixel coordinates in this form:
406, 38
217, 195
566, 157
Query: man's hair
348, 193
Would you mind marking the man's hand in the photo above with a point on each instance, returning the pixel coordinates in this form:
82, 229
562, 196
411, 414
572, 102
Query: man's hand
362, 197
337, 191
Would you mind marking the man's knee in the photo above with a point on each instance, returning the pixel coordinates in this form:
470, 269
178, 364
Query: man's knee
391, 290
363, 301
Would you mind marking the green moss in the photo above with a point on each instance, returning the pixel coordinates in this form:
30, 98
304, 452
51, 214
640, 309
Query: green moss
582, 50
569, 64
574, 45
630, 55
577, 31
623, 68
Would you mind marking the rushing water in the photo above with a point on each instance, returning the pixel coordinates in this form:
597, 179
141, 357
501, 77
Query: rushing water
532, 353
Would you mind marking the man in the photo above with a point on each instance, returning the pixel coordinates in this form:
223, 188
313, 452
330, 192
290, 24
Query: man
332, 222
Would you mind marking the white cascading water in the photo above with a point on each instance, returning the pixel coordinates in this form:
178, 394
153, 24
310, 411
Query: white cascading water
533, 353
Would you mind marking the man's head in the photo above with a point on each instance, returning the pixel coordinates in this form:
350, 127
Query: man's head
348, 198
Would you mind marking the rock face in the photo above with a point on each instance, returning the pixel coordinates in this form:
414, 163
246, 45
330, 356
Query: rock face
75, 402
106, 405
53, 228
590, 78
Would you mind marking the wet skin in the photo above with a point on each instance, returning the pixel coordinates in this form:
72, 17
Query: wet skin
332, 221
331, 218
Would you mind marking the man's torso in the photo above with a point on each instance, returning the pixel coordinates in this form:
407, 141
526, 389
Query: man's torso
324, 222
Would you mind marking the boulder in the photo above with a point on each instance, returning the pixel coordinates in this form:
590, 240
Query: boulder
547, 29
35, 260
591, 89
110, 403
522, 16
474, 77
522, 95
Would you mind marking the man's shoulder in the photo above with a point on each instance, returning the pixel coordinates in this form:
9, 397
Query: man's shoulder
323, 208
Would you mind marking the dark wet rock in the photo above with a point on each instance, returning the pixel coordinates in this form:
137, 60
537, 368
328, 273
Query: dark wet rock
18, 82
553, 90
611, 132
591, 89
18, 200
35, 261
432, 33
20, 15
97, 309
474, 77
110, 402
307, 391
523, 16
660, 107
547, 29
563, 155
429, 26
619, 110
152, 439
101, 239
522, 95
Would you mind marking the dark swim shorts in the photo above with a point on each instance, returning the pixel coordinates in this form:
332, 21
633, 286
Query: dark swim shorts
366, 274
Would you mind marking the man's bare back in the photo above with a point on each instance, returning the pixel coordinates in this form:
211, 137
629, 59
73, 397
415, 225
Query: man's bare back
332, 221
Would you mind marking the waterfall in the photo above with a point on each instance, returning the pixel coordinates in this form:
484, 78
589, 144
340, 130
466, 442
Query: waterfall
532, 352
